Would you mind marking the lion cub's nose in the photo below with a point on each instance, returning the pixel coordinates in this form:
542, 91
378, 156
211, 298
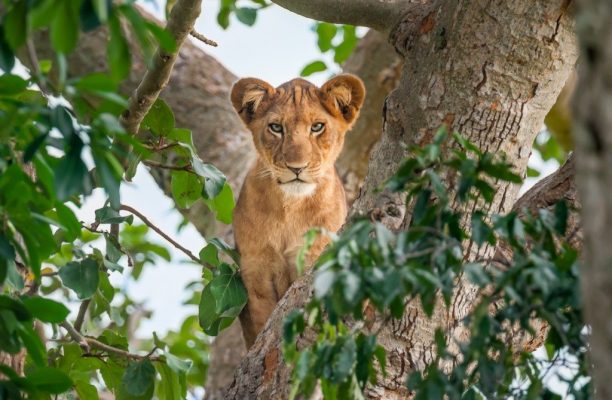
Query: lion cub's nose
297, 169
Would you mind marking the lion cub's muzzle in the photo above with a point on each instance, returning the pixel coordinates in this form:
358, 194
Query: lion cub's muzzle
296, 181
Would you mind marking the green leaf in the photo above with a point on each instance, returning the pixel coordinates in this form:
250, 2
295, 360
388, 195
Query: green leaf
15, 25
222, 300
229, 292
85, 390
109, 173
82, 277
344, 360
34, 346
96, 82
16, 307
223, 17
46, 310
224, 247
118, 50
210, 255
164, 38
65, 26
12, 84
186, 188
139, 378
71, 176
50, 380
176, 364
42, 14
349, 41
108, 215
7, 58
214, 180
69, 221
169, 387
246, 15
223, 204
102, 8
313, 67
326, 33
159, 119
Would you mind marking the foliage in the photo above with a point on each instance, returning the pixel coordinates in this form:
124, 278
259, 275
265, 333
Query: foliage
245, 14
61, 138
370, 268
328, 41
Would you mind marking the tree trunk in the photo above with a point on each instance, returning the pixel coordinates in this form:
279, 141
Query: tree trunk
487, 69
593, 141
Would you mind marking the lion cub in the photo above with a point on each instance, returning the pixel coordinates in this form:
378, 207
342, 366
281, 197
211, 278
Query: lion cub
298, 130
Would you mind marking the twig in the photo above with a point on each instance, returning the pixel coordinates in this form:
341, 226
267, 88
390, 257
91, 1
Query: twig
78, 322
35, 66
75, 335
155, 164
162, 147
203, 38
159, 232
88, 343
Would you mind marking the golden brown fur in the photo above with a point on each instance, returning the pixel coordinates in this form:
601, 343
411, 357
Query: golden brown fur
293, 185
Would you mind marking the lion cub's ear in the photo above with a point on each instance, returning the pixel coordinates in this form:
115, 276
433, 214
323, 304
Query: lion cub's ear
247, 95
343, 95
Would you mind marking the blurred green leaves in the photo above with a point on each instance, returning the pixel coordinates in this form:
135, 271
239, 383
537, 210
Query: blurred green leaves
329, 41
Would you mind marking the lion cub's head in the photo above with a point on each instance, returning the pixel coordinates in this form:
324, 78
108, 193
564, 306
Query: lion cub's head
298, 128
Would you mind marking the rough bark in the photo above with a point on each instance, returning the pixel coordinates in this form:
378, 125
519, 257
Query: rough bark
593, 142
487, 69
378, 65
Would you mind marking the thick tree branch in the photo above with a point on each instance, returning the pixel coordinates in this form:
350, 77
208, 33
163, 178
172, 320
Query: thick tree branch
380, 15
180, 24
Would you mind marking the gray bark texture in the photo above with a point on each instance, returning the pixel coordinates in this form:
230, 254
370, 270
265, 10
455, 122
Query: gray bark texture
593, 141
488, 69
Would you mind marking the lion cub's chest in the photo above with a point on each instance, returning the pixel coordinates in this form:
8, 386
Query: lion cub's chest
266, 228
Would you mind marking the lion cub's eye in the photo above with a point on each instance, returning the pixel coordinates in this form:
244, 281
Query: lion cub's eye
317, 128
276, 129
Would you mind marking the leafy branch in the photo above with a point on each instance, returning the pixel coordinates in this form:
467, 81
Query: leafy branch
88, 343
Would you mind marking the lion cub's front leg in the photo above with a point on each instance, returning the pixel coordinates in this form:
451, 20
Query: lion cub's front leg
258, 273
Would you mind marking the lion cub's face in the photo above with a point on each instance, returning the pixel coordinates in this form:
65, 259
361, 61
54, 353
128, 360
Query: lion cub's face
298, 128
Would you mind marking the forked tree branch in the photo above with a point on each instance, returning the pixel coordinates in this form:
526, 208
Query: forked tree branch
180, 24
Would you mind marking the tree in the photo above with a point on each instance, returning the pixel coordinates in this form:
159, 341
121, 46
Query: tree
490, 96
592, 138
